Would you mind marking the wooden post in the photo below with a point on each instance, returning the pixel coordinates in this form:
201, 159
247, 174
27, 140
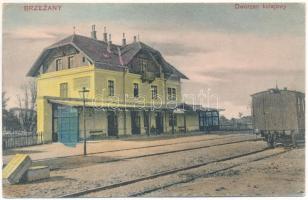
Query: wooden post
124, 99
218, 120
14, 141
185, 128
124, 112
116, 127
165, 121
172, 122
149, 122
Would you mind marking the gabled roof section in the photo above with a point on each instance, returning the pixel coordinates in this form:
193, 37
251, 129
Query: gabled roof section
277, 91
113, 57
131, 50
62, 42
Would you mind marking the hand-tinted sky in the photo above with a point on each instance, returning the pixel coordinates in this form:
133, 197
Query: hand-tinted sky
234, 52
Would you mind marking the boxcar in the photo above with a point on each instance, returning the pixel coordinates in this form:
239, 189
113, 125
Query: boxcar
279, 115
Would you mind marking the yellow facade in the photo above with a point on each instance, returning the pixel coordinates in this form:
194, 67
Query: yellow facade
132, 90
49, 84
96, 80
124, 87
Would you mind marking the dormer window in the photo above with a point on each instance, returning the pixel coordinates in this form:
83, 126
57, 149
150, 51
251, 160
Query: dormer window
70, 62
59, 64
143, 63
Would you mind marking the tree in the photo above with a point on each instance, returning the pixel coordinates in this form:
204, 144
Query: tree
4, 101
223, 120
240, 115
27, 107
4, 110
9, 121
12, 122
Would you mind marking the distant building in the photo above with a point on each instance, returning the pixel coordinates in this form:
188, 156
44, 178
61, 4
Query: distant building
133, 90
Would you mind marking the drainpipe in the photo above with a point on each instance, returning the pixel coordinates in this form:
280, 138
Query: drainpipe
125, 69
165, 95
124, 98
172, 122
185, 128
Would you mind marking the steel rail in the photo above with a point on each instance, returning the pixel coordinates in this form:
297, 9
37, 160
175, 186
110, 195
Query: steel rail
136, 148
164, 153
204, 175
165, 173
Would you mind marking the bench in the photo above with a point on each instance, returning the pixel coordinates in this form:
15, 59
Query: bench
182, 128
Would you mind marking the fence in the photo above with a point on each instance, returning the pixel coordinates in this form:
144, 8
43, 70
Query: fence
236, 127
20, 139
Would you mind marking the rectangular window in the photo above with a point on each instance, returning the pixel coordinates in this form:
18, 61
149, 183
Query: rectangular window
172, 119
171, 94
63, 90
58, 64
136, 90
70, 62
83, 59
111, 88
154, 91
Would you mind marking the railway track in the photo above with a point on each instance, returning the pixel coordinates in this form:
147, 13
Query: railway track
136, 148
202, 176
162, 153
165, 173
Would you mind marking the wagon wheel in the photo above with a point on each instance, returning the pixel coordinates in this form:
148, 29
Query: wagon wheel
269, 141
274, 141
293, 137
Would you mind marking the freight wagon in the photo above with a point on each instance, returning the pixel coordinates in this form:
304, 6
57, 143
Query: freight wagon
279, 115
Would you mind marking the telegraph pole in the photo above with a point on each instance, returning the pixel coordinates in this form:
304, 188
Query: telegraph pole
83, 91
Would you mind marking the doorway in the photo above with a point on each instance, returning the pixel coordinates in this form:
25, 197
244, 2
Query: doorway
112, 123
67, 125
159, 122
135, 117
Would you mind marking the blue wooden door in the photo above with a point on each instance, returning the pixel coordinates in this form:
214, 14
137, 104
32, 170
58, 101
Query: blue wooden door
68, 125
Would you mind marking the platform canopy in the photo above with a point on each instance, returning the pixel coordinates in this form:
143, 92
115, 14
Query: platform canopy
177, 108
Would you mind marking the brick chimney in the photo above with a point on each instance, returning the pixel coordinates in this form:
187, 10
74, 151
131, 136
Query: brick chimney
105, 35
123, 40
109, 44
93, 32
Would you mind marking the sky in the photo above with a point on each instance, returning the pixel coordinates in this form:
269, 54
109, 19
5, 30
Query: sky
230, 53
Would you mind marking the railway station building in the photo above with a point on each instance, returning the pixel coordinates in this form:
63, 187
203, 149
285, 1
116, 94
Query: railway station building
131, 90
